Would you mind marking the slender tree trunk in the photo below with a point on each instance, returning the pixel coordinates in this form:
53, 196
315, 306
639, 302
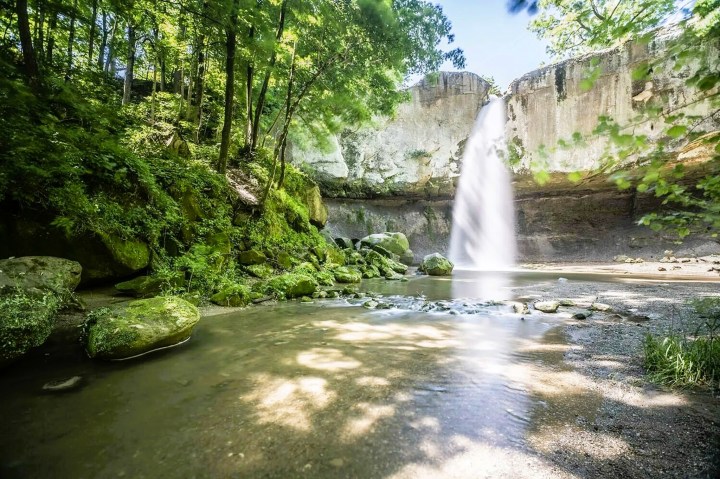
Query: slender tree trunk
91, 33
163, 72
152, 102
39, 29
266, 81
32, 71
71, 41
51, 39
200, 88
130, 66
110, 60
248, 95
230, 47
103, 41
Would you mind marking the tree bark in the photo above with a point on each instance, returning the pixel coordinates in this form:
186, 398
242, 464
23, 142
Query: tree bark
91, 33
32, 71
110, 60
230, 47
266, 81
51, 39
40, 30
103, 41
130, 66
71, 41
248, 95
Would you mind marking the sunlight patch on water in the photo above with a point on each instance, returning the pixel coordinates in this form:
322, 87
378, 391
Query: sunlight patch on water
289, 402
370, 414
328, 359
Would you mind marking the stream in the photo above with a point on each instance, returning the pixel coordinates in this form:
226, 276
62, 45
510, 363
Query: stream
324, 389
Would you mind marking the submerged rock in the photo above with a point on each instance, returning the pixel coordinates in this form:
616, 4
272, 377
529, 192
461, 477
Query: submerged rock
139, 327
63, 385
38, 274
519, 308
436, 265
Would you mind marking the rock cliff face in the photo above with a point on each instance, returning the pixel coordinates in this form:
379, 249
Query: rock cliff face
552, 104
416, 156
415, 153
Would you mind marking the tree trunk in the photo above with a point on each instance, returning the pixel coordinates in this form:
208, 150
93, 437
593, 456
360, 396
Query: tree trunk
266, 81
91, 34
152, 102
130, 66
40, 30
110, 59
32, 71
200, 88
103, 41
71, 41
230, 46
248, 96
51, 39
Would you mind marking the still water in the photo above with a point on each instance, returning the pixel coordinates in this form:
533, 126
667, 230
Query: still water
327, 389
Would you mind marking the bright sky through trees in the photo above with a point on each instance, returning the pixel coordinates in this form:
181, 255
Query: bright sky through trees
496, 43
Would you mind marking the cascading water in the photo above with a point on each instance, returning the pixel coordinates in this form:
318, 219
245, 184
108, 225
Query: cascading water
483, 231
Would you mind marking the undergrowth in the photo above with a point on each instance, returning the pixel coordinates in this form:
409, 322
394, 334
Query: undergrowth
689, 358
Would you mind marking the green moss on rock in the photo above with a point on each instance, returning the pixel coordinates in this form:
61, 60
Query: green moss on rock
39, 274
436, 265
345, 274
291, 285
25, 322
139, 327
236, 295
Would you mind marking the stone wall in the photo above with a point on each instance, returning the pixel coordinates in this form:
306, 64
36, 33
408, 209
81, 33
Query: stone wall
416, 153
551, 104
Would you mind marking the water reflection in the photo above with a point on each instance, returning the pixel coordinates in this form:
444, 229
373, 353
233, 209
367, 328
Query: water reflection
483, 285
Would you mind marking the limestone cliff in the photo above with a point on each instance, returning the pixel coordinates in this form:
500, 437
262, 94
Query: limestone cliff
551, 104
415, 153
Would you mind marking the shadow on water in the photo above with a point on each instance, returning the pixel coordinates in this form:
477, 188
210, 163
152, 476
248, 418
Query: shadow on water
310, 390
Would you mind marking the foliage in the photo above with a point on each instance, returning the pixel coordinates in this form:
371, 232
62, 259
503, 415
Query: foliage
25, 322
690, 193
574, 27
688, 358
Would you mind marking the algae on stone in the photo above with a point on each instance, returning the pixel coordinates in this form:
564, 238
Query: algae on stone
25, 322
139, 326
436, 265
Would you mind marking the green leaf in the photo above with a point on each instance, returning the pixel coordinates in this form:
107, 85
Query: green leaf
677, 131
642, 187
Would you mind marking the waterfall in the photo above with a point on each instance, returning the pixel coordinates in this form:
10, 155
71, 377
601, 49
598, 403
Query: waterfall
483, 230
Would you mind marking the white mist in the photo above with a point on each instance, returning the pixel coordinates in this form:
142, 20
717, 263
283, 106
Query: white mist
483, 231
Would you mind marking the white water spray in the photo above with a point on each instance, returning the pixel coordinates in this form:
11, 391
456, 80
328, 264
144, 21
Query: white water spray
483, 231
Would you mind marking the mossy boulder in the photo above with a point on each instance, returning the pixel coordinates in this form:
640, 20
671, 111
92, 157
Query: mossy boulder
251, 256
334, 256
291, 285
139, 327
370, 271
317, 211
436, 264
39, 274
262, 271
396, 243
344, 274
141, 287
26, 321
383, 264
285, 260
236, 295
129, 255
408, 258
